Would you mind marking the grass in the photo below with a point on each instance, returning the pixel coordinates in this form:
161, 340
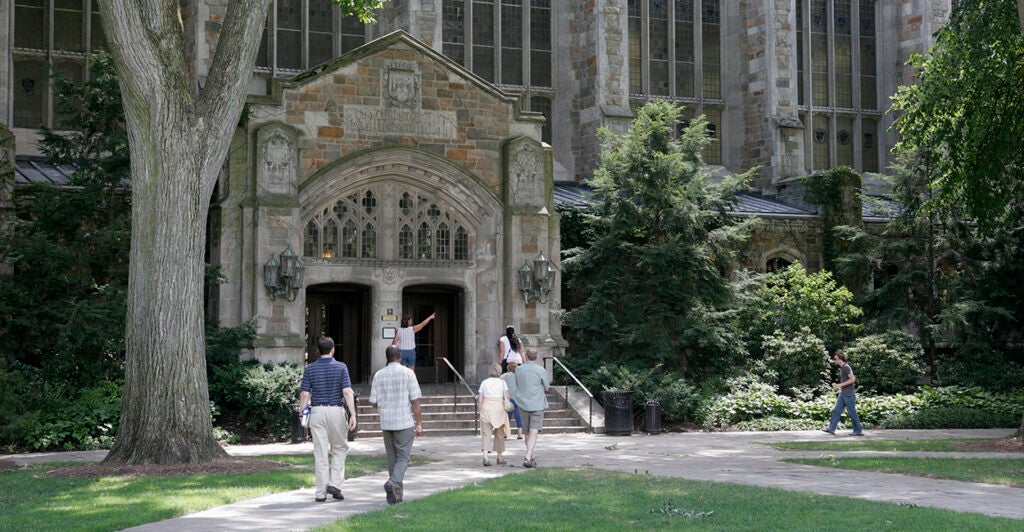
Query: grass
1004, 471
589, 499
29, 501
876, 445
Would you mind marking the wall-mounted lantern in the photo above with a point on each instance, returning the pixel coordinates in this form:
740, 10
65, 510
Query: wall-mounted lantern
284, 277
536, 282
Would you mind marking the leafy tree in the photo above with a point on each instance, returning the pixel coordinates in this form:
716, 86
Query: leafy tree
967, 110
179, 138
793, 362
651, 285
889, 362
790, 300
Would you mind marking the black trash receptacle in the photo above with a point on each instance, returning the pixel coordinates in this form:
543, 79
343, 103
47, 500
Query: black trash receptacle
298, 431
618, 412
652, 425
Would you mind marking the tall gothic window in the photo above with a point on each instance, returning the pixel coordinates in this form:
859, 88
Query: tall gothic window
57, 33
837, 82
675, 53
506, 42
300, 34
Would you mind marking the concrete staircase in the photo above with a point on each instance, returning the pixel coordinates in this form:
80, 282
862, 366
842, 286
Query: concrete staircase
455, 415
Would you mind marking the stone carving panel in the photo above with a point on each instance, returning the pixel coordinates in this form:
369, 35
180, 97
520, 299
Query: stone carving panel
526, 175
276, 157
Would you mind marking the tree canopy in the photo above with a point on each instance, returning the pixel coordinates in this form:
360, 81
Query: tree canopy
967, 111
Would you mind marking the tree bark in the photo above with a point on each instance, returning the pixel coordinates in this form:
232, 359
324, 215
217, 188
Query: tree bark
178, 140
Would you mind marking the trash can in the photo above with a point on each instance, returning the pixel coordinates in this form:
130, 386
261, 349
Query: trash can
652, 416
618, 412
298, 431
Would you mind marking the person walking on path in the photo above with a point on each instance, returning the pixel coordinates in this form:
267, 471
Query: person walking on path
510, 380
396, 395
405, 339
509, 348
532, 384
327, 387
493, 416
847, 397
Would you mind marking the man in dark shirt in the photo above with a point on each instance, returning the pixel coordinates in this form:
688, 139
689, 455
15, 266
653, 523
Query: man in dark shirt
325, 384
847, 397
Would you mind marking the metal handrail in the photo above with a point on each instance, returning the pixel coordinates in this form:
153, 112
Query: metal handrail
590, 422
455, 391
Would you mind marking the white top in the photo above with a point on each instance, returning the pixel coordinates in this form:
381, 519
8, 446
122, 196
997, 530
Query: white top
493, 387
406, 338
514, 356
506, 349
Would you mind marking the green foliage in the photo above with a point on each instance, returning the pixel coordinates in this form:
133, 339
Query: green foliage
886, 363
65, 300
978, 365
77, 419
798, 361
258, 397
678, 398
838, 192
223, 343
751, 404
967, 110
790, 300
651, 284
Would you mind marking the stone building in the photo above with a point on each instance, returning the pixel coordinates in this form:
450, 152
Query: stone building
412, 166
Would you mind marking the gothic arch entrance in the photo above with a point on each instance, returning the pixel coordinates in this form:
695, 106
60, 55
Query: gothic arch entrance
443, 336
341, 311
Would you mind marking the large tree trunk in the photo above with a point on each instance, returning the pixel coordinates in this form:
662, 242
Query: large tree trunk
178, 142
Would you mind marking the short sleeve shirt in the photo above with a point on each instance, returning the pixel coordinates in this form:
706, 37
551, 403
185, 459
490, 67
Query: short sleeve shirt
393, 389
325, 379
844, 374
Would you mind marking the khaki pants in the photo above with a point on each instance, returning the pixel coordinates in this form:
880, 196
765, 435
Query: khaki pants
329, 427
490, 432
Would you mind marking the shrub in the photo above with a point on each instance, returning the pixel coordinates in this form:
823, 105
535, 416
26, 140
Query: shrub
88, 421
793, 361
748, 399
890, 362
678, 398
258, 397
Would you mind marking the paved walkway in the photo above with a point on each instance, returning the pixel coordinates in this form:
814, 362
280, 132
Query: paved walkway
722, 457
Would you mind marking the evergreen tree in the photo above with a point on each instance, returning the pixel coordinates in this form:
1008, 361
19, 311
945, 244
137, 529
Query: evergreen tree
652, 284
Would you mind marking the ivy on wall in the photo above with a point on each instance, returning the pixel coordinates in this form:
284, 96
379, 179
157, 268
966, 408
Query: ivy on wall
837, 192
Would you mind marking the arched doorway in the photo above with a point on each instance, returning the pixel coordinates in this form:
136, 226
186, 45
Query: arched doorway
443, 336
341, 311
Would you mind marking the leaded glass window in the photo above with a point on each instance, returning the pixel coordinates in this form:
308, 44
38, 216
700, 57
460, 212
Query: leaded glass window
350, 228
301, 34
838, 83
62, 33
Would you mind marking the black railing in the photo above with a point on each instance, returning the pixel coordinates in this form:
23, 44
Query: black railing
455, 391
590, 422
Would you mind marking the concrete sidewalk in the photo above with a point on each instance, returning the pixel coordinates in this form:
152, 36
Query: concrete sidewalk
721, 457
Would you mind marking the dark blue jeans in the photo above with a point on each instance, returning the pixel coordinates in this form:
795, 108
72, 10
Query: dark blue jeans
849, 402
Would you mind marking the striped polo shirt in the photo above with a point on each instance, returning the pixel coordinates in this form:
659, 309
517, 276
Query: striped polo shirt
325, 378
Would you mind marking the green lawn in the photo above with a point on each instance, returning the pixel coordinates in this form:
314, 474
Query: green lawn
876, 445
1004, 471
589, 499
29, 501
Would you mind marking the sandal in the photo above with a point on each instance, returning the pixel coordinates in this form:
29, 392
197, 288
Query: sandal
487, 462
502, 461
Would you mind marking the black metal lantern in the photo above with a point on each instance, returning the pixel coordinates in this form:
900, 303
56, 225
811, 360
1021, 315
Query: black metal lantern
537, 282
284, 277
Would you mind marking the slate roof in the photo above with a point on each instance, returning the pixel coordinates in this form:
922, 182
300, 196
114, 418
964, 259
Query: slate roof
36, 170
748, 203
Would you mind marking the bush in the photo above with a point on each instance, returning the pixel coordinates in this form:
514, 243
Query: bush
748, 399
258, 397
890, 362
957, 417
797, 361
678, 398
88, 421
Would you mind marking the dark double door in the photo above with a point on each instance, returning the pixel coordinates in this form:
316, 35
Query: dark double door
343, 312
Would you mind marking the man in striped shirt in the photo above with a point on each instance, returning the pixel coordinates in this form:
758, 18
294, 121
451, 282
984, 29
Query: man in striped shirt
325, 384
396, 394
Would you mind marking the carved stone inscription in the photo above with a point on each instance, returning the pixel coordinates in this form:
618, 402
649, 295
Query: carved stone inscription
526, 173
366, 120
278, 168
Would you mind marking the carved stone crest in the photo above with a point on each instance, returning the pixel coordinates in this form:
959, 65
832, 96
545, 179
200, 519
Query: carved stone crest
525, 173
401, 88
277, 156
